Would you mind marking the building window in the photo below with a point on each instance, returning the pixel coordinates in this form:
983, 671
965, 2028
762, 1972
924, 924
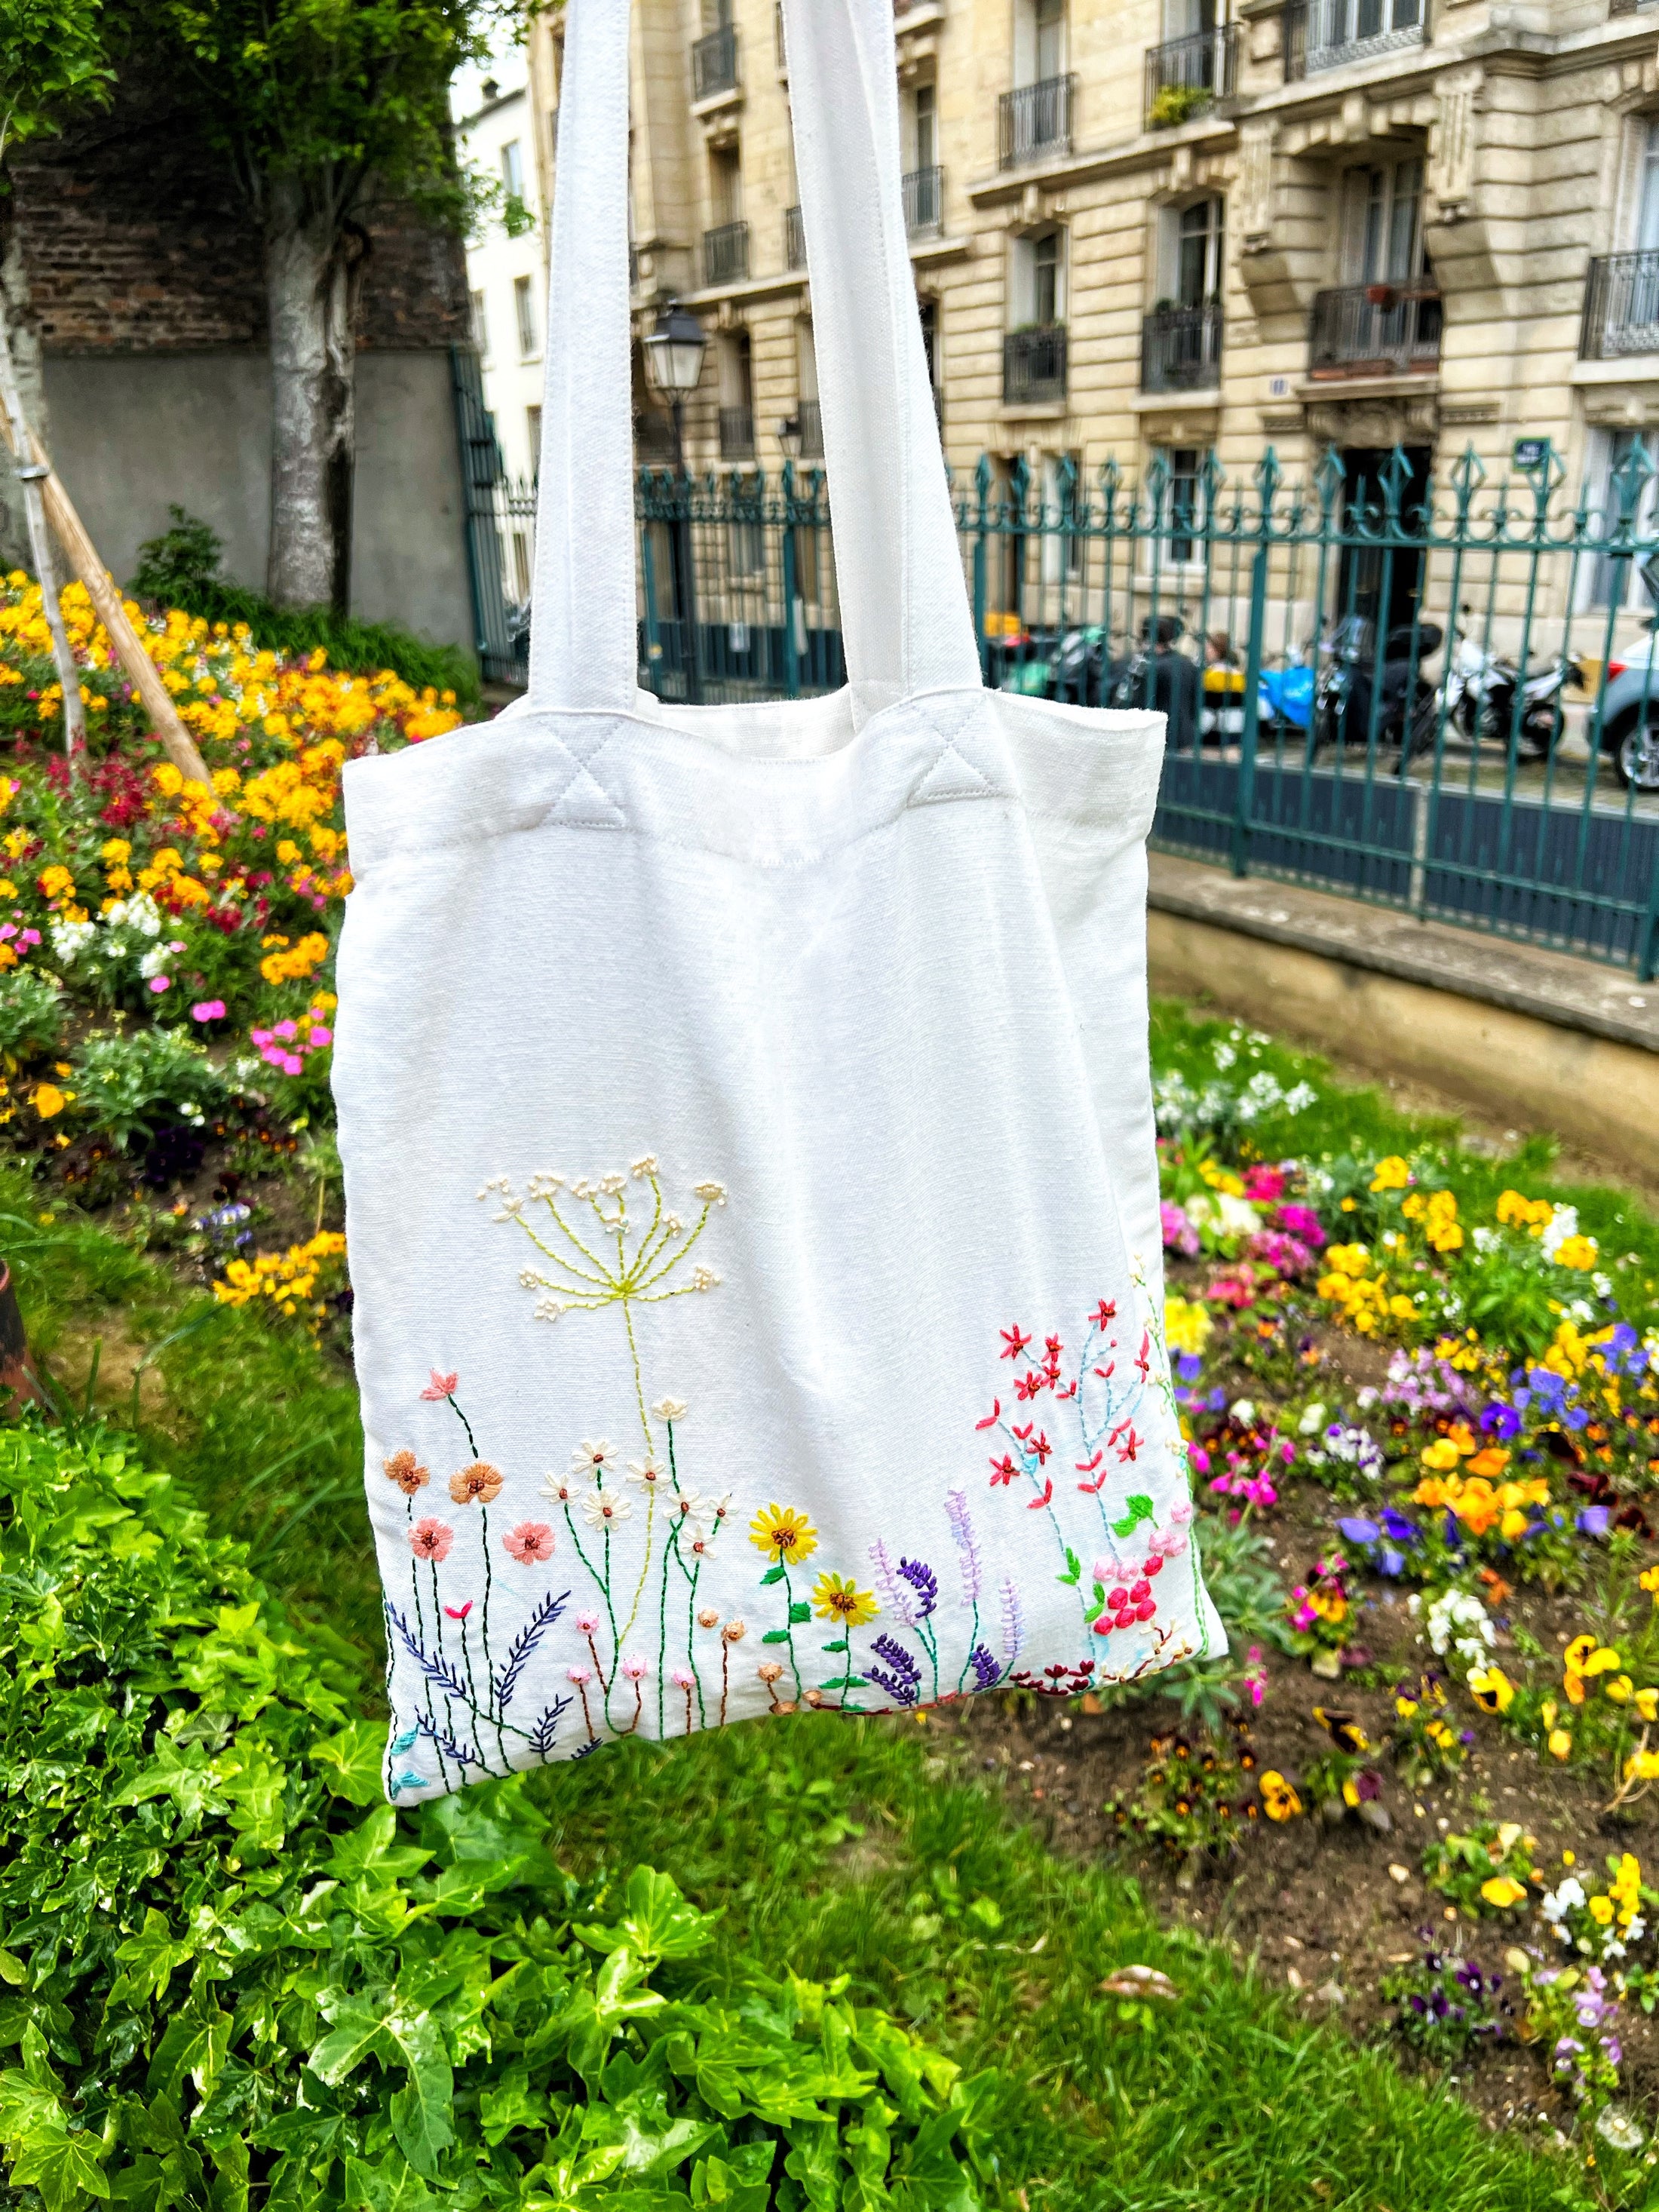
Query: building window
1062, 549
1182, 496
480, 325
725, 185
1039, 41
929, 311
521, 565
1647, 201
513, 169
523, 308
1039, 280
532, 424
1198, 242
1615, 580
924, 123
1382, 224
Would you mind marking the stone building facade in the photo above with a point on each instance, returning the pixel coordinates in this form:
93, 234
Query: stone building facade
1154, 226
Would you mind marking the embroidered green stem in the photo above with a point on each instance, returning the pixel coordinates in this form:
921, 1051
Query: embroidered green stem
464, 1423
489, 1664
789, 1627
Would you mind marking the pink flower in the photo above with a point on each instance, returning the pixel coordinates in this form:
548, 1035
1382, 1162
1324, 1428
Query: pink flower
581, 1676
285, 1030
160, 982
431, 1539
7, 929
1264, 1184
635, 1669
208, 1010
30, 937
459, 1611
530, 1542
1255, 1676
291, 1065
682, 1678
260, 1036
586, 1623
319, 1037
441, 1386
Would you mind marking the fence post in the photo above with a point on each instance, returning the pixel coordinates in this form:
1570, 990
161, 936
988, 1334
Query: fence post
1239, 853
648, 583
790, 651
982, 489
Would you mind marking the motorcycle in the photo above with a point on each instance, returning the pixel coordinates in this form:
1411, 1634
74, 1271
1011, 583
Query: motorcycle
1351, 676
1481, 690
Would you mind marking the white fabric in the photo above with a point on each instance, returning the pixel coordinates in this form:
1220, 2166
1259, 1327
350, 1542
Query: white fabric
722, 1151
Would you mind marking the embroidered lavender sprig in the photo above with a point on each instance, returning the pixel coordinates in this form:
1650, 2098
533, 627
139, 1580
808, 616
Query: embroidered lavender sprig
986, 1672
542, 1735
925, 1582
962, 1528
901, 1675
1014, 1623
435, 1670
524, 1642
892, 1590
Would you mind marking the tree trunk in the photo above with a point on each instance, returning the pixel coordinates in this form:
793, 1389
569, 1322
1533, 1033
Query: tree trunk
15, 552
29, 473
311, 286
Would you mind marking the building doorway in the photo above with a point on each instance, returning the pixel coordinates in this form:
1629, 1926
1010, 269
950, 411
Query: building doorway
1382, 583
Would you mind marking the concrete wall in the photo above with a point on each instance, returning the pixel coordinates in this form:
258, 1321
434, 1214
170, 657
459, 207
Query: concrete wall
132, 432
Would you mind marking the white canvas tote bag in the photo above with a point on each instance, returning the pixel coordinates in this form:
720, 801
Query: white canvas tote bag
745, 1312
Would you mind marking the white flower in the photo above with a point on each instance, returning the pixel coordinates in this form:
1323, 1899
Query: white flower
1242, 1411
704, 1278
531, 1280
592, 1458
711, 1511
648, 1473
561, 1488
1225, 1057
1312, 1421
544, 1182
603, 1508
611, 1185
669, 1409
1637, 1929
711, 1194
1299, 1097
502, 1183
71, 939
672, 1225
644, 1167
511, 1208
547, 1309
581, 1188
1238, 1217
154, 962
690, 1505
1558, 1903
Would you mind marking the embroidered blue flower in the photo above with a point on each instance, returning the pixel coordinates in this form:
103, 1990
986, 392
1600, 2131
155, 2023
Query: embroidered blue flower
925, 1582
901, 1675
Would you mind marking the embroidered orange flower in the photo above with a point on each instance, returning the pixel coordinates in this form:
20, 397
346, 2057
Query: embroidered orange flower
479, 1484
403, 1470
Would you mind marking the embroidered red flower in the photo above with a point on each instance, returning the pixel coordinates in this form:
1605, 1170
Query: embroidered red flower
1105, 1311
1036, 1505
1128, 1448
441, 1386
992, 1417
1143, 1358
431, 1539
1031, 1383
1013, 1343
459, 1611
1002, 1470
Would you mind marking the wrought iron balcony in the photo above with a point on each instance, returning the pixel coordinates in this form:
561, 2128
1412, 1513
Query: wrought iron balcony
811, 417
1375, 329
794, 239
714, 62
924, 201
1327, 35
1034, 365
1035, 122
725, 253
1186, 75
653, 436
1621, 306
736, 434
1180, 348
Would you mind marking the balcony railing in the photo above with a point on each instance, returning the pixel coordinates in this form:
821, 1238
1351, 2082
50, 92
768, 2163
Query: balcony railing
714, 62
725, 253
1036, 121
811, 417
653, 435
1180, 348
736, 434
924, 201
1621, 306
1186, 75
1375, 330
1327, 35
1034, 365
794, 240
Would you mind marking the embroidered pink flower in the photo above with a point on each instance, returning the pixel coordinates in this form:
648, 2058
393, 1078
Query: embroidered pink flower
586, 1623
634, 1668
459, 1611
682, 1678
431, 1539
581, 1676
441, 1386
530, 1542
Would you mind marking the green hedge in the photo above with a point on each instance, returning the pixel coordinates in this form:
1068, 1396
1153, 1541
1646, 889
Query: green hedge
229, 1970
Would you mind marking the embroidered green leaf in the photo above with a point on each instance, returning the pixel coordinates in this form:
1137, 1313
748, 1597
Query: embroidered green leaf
775, 1636
772, 1575
1139, 1508
1073, 1568
840, 1644
798, 1614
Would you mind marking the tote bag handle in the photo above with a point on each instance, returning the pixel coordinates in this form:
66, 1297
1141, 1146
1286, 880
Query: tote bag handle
906, 624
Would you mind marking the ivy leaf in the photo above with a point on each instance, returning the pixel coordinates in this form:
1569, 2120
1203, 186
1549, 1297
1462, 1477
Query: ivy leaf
62, 2162
658, 1922
193, 2045
150, 1957
351, 1762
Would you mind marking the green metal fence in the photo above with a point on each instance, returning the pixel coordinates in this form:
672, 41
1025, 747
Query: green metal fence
1434, 692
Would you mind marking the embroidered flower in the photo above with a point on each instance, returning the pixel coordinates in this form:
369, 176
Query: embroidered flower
511, 1208
635, 1667
769, 1671
612, 1186
704, 1278
403, 1470
586, 1623
924, 1582
531, 1541
459, 1611
431, 1539
441, 1387
546, 1309
480, 1483
835, 1598
581, 1676
686, 1504
734, 1631
648, 1473
708, 1616
502, 1183
544, 1182
605, 1509
581, 1188
682, 1678
672, 1225
786, 1534
531, 1279
711, 1194
669, 1409
645, 1166
592, 1459
561, 1488
900, 1675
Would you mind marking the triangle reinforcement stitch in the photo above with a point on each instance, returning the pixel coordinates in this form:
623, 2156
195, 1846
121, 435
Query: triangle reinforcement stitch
585, 802
951, 777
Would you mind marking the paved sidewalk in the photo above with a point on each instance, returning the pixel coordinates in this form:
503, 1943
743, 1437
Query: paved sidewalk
1500, 971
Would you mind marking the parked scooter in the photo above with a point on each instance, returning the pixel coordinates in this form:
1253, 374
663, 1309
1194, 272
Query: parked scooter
1481, 690
1351, 676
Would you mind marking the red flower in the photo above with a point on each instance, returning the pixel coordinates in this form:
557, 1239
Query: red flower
1142, 1359
1130, 1445
1106, 1373
1070, 1391
1105, 1311
530, 1542
1104, 1625
1013, 1343
1088, 1466
459, 1611
441, 1386
1002, 1470
1030, 1383
1036, 1505
992, 1417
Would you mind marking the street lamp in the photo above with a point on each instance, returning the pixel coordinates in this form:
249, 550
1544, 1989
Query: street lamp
789, 436
673, 368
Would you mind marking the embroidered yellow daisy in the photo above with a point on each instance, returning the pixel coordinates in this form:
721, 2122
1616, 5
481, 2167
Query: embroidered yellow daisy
834, 1598
788, 1535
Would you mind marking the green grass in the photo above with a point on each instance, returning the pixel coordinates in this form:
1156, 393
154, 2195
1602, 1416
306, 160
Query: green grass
943, 1907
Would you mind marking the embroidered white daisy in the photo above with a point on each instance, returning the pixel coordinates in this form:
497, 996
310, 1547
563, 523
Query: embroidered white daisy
560, 1488
671, 1409
603, 1508
592, 1459
711, 1194
648, 1473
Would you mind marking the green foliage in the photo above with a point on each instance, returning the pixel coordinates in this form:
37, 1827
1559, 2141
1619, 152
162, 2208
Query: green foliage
51, 58
30, 1014
181, 569
1445, 2003
128, 1086
223, 1972
1193, 1797
1489, 1871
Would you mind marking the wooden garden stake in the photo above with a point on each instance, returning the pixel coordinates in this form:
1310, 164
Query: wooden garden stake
31, 475
142, 672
